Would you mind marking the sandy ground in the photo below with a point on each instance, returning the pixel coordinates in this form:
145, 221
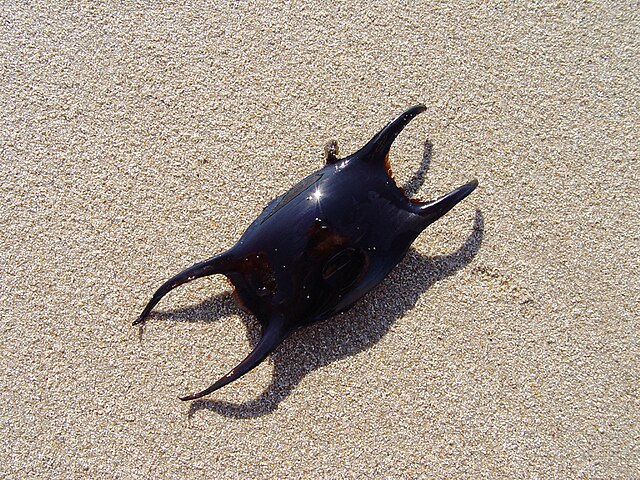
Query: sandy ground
135, 141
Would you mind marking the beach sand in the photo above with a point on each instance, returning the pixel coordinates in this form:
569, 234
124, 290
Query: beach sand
136, 141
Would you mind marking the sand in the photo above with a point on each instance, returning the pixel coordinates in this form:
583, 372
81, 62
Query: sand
137, 140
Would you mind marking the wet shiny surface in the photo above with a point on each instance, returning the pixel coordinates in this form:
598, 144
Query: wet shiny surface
318, 248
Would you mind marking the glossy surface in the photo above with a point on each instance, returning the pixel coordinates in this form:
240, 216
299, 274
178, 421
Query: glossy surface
315, 250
